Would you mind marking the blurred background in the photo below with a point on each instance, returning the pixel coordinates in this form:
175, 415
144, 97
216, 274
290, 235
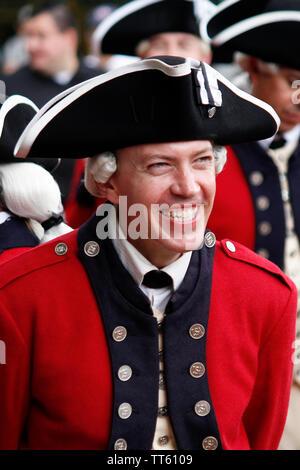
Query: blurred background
10, 9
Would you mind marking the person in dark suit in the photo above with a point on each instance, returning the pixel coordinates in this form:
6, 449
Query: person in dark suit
51, 38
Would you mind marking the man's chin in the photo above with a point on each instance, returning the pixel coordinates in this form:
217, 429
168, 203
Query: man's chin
183, 245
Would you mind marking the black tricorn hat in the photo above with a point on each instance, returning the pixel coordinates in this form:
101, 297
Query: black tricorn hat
267, 29
15, 113
121, 31
159, 99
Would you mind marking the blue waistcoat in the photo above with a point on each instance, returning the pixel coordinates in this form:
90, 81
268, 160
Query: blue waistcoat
14, 233
122, 303
254, 159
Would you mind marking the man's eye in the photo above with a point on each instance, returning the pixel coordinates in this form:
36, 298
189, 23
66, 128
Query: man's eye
186, 44
157, 45
158, 167
203, 161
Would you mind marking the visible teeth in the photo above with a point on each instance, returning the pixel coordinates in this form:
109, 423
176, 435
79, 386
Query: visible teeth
180, 214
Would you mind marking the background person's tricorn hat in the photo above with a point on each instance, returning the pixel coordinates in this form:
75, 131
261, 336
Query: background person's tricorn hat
121, 32
15, 113
267, 29
160, 99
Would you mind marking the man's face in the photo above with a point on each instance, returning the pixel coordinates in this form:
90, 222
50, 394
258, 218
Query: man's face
277, 90
47, 46
175, 183
176, 44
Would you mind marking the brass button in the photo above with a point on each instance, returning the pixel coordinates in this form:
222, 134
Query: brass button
124, 373
119, 333
120, 444
210, 443
265, 228
202, 408
197, 331
209, 239
263, 252
263, 203
197, 370
256, 178
61, 249
125, 410
91, 248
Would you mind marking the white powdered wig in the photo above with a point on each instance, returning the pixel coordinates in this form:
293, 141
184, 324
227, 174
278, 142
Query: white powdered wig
27, 190
204, 49
100, 168
244, 62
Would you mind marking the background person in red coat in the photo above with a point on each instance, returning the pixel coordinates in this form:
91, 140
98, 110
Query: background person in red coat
128, 336
257, 198
31, 210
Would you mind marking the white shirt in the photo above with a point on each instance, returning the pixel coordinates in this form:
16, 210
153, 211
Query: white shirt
137, 265
63, 77
4, 216
291, 136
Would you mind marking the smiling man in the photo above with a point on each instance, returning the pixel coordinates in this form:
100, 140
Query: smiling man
151, 339
175, 184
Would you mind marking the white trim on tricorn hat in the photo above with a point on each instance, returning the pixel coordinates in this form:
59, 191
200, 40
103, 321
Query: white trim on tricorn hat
251, 23
15, 113
137, 20
160, 99
267, 29
114, 18
10, 103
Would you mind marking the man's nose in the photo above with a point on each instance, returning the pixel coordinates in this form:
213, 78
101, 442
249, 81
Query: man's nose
185, 184
31, 43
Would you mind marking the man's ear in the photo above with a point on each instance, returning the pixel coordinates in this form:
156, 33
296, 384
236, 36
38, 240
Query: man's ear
108, 190
207, 57
72, 36
253, 69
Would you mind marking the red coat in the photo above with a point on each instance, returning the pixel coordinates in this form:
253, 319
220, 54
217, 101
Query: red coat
56, 385
249, 202
12, 252
80, 205
233, 214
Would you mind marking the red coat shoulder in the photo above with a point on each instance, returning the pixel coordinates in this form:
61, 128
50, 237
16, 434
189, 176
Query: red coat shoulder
56, 251
242, 256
